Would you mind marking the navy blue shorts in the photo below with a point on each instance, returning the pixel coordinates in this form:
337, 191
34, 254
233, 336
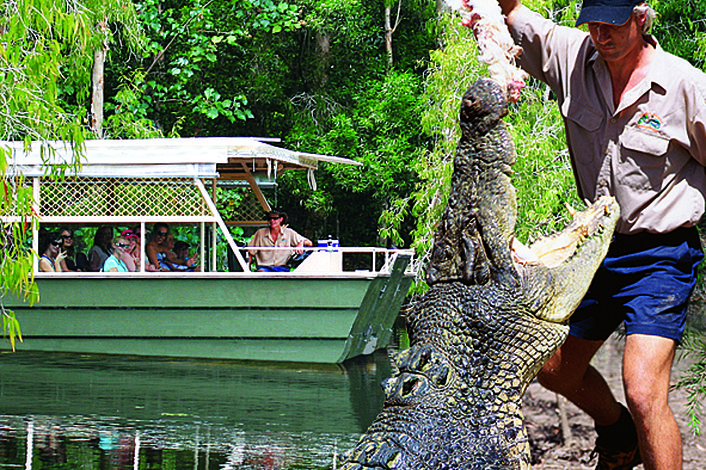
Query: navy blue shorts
645, 281
273, 269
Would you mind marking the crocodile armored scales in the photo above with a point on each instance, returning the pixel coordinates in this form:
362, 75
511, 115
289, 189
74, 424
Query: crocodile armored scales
490, 319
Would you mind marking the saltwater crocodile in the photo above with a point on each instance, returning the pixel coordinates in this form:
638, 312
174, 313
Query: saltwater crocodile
489, 321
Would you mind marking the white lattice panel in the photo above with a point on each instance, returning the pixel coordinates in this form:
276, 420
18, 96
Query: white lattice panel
116, 197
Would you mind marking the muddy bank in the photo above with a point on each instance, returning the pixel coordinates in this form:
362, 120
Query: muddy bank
543, 424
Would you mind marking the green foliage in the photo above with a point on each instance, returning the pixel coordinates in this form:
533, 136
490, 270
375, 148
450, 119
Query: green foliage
348, 39
229, 200
269, 52
41, 41
16, 276
345, 41
16, 259
563, 12
380, 128
191, 47
128, 113
223, 249
680, 29
10, 326
543, 176
185, 45
42, 44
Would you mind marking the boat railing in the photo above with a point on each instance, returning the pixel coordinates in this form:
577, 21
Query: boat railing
345, 259
321, 261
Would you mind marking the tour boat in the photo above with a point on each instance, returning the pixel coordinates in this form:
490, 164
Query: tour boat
341, 302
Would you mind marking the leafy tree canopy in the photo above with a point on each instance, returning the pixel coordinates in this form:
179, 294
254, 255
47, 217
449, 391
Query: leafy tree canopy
42, 46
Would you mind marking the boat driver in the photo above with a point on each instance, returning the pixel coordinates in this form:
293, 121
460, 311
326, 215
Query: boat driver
278, 235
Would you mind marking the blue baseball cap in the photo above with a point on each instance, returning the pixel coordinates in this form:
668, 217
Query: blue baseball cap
615, 12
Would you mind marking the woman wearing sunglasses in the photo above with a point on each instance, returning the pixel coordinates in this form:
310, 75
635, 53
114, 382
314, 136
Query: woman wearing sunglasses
133, 251
52, 254
156, 250
74, 261
116, 262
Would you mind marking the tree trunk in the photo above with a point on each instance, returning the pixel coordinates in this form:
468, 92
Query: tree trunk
98, 79
323, 45
388, 35
97, 92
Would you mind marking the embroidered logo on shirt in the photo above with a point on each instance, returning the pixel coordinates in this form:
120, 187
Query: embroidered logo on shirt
649, 121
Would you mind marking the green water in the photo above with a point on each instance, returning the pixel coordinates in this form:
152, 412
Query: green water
61, 411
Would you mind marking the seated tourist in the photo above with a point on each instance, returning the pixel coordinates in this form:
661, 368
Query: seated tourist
171, 262
101, 248
155, 250
117, 261
52, 254
75, 260
276, 235
181, 251
133, 258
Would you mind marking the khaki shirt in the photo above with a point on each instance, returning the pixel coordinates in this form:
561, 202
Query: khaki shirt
648, 152
287, 238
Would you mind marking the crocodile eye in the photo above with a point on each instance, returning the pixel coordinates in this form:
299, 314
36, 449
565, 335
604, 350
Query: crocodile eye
410, 385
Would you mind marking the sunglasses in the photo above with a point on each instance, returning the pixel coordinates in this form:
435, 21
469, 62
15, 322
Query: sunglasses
161, 234
67, 237
122, 245
57, 242
274, 218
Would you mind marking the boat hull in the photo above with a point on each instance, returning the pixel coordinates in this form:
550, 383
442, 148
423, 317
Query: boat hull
276, 317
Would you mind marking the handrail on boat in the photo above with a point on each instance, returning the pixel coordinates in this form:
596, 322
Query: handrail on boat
376, 265
323, 261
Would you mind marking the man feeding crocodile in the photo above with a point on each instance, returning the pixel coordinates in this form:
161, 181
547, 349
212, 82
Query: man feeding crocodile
492, 318
489, 320
635, 120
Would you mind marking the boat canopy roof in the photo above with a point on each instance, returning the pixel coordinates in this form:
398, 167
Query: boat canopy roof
197, 157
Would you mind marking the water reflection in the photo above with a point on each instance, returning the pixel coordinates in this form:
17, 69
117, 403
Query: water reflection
61, 411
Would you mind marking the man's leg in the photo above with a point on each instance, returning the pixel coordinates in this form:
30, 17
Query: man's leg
569, 373
647, 364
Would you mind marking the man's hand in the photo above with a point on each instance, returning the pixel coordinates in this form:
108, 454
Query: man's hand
299, 248
507, 7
